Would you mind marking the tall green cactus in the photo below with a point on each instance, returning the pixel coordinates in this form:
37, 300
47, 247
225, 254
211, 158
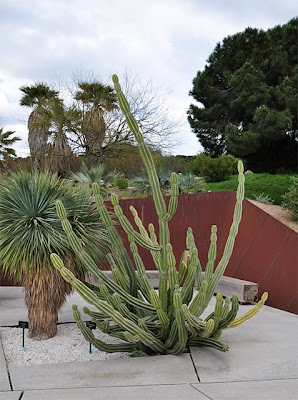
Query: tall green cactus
167, 321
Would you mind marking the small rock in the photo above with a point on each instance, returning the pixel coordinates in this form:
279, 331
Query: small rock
248, 172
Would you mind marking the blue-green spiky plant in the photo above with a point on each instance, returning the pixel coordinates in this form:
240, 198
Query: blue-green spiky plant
162, 322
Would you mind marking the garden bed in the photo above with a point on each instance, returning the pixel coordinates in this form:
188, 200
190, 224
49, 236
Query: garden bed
67, 346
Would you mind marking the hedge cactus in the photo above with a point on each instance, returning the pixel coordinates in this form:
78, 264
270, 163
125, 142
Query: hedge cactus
128, 307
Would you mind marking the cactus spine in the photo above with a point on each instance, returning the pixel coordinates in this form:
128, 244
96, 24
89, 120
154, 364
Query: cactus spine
167, 321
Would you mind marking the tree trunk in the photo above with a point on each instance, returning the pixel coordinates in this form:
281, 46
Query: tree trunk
94, 131
37, 139
45, 292
59, 155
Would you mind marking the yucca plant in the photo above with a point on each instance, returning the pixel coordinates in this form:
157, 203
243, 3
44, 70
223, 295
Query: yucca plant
187, 183
167, 321
142, 185
30, 231
97, 174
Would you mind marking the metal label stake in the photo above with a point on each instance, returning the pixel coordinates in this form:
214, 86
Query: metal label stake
91, 325
24, 325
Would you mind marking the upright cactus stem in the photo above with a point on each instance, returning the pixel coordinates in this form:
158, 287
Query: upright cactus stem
172, 208
128, 307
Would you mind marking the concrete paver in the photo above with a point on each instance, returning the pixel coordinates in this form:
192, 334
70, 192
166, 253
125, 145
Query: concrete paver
10, 395
13, 309
4, 381
126, 372
156, 392
286, 389
265, 347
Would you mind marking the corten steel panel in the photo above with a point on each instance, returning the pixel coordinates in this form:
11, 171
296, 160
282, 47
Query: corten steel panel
252, 219
293, 307
266, 244
280, 280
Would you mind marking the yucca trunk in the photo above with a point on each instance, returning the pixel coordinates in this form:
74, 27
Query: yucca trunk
45, 292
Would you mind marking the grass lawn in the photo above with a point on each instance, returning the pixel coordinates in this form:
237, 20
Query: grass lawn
274, 186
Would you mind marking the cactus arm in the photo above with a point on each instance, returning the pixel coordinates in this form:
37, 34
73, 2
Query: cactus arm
161, 314
183, 266
173, 204
144, 151
197, 305
94, 314
209, 328
190, 244
226, 307
160, 206
118, 276
143, 279
155, 254
231, 238
139, 224
188, 287
144, 241
211, 254
231, 314
171, 261
209, 342
218, 312
196, 325
180, 319
99, 344
250, 313
114, 239
172, 339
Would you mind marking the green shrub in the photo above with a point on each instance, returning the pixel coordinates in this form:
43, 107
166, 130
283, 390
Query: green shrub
274, 186
121, 183
290, 201
214, 169
179, 164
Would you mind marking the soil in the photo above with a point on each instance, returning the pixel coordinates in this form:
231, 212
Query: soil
278, 213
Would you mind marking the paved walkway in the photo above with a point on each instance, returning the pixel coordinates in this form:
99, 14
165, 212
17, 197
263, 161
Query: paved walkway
261, 365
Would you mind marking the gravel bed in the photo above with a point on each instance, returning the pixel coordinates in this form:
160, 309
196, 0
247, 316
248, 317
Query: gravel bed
68, 345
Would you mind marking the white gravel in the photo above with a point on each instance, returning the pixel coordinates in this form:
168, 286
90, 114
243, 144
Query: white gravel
68, 345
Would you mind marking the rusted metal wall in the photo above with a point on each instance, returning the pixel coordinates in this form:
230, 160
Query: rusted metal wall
265, 250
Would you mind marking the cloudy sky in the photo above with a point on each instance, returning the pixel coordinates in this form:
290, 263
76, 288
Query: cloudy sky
167, 41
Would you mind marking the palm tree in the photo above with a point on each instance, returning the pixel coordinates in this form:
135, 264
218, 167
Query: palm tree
57, 118
37, 96
30, 231
5, 142
96, 99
